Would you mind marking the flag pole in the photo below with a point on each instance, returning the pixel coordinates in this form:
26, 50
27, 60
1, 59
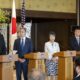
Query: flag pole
78, 13
13, 28
23, 13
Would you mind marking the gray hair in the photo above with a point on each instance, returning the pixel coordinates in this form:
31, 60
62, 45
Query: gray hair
41, 75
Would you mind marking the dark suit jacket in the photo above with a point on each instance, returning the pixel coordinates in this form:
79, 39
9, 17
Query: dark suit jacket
2, 45
74, 44
77, 78
27, 47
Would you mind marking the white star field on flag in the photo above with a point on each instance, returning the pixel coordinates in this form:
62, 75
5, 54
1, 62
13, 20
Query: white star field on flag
23, 13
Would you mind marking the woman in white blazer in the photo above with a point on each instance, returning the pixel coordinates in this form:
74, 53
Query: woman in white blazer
52, 47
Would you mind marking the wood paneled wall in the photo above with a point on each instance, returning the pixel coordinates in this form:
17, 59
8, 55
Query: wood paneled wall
67, 6
41, 29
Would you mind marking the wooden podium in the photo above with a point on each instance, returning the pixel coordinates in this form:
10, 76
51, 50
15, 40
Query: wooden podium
36, 60
65, 65
78, 53
6, 66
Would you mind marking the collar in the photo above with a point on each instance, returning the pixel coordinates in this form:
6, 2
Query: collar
77, 37
23, 38
52, 42
78, 75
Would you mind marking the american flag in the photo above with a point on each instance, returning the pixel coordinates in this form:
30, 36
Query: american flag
23, 13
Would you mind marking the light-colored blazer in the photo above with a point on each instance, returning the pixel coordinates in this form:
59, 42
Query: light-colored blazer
51, 48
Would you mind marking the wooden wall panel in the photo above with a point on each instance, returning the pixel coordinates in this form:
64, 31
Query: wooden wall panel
62, 28
68, 6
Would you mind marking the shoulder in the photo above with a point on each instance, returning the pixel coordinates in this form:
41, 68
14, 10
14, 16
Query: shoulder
28, 39
16, 40
1, 36
78, 78
56, 43
47, 43
73, 37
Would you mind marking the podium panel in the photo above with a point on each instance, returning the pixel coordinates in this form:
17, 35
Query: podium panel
6, 71
6, 66
37, 64
65, 71
65, 65
36, 60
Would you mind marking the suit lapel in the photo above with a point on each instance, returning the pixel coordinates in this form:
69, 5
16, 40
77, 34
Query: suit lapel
19, 43
26, 42
76, 42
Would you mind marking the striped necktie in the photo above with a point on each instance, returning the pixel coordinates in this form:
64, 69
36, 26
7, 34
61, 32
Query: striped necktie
22, 44
79, 40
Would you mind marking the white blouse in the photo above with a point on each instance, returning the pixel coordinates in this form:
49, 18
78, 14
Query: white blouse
51, 48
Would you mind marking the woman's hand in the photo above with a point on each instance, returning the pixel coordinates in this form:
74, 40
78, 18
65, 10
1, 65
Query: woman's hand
55, 59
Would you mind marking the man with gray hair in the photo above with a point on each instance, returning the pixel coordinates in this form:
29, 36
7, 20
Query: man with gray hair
36, 75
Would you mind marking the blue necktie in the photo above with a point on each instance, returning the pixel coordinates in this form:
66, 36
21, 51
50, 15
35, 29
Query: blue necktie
22, 44
79, 41
22, 47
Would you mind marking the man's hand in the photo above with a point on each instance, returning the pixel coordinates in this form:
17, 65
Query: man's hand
21, 60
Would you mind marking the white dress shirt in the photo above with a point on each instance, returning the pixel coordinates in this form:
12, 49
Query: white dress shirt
23, 40
77, 38
51, 48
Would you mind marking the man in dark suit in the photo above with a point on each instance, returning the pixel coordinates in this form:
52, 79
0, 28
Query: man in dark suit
75, 43
77, 64
2, 45
22, 45
75, 40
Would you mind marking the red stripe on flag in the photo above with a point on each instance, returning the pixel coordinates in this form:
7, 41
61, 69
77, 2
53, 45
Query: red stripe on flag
14, 25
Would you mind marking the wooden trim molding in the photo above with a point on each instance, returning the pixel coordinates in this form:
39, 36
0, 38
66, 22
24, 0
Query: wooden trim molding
46, 14
56, 15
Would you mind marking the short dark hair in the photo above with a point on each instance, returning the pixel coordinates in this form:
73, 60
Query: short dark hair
23, 28
52, 33
78, 28
77, 62
75, 27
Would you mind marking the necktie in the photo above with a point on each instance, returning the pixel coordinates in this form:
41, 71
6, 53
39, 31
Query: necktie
79, 40
22, 44
21, 55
